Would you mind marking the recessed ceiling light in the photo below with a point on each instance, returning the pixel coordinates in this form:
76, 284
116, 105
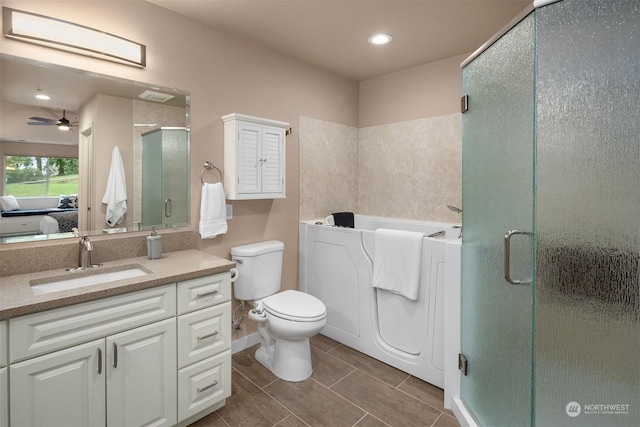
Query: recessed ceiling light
41, 95
380, 38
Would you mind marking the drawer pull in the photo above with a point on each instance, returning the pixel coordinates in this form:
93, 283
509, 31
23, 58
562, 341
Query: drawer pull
115, 355
206, 294
200, 390
212, 334
99, 361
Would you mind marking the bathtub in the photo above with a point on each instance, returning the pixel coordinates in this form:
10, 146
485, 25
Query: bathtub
336, 266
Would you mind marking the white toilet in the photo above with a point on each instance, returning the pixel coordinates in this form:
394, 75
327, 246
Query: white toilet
286, 320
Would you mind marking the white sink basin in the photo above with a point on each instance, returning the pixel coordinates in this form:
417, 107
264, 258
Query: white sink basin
94, 276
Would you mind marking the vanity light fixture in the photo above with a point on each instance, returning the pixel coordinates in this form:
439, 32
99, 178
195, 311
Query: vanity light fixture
68, 36
380, 38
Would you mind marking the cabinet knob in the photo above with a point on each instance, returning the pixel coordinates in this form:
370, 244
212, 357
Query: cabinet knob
213, 334
200, 390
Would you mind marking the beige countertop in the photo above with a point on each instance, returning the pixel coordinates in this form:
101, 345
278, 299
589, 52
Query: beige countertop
17, 298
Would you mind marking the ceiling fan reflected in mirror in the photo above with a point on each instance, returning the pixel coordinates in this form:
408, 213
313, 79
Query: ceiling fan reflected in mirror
62, 123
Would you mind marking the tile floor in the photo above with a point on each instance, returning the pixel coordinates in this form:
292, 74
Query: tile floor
347, 388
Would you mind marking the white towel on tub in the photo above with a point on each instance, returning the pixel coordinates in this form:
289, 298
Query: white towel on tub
396, 264
213, 211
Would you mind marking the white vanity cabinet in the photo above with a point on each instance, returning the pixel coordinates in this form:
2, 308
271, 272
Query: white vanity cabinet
159, 356
4, 402
126, 375
254, 157
204, 346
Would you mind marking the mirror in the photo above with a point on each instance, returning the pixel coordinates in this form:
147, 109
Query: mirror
148, 124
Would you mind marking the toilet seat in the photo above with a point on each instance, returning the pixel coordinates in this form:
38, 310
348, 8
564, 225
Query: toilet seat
295, 305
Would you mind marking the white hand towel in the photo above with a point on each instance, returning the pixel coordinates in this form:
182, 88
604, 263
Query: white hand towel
115, 196
213, 211
397, 259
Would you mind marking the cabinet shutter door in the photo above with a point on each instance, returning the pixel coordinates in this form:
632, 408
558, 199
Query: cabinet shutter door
249, 158
273, 161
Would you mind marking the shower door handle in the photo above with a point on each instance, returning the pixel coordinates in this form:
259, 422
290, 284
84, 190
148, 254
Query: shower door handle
167, 208
507, 257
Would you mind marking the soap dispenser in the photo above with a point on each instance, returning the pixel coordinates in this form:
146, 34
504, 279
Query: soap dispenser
154, 245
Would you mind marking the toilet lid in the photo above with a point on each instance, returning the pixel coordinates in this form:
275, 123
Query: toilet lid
295, 305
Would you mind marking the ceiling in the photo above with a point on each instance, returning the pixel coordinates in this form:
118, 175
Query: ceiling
333, 34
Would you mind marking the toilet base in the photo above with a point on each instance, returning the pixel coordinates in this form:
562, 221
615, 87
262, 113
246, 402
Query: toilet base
289, 360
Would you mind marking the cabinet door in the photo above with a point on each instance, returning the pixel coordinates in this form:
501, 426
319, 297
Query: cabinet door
249, 158
141, 376
4, 404
3, 344
64, 388
272, 160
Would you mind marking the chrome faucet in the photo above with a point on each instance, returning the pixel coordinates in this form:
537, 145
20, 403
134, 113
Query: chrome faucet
455, 209
84, 256
437, 234
459, 211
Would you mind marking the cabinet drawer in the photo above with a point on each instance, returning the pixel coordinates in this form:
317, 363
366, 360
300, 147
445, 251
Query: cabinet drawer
203, 333
3, 343
203, 292
51, 330
203, 385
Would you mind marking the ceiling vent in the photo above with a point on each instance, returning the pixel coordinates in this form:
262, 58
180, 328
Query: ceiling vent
150, 95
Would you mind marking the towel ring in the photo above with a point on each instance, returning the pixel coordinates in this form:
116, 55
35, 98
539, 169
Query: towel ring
209, 166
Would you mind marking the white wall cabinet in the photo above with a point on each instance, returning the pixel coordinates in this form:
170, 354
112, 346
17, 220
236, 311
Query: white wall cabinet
254, 157
123, 369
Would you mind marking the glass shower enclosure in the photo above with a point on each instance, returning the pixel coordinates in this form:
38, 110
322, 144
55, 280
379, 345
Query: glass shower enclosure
551, 201
165, 177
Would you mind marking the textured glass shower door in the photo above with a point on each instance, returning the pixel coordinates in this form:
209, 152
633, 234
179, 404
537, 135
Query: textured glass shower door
165, 177
497, 156
587, 336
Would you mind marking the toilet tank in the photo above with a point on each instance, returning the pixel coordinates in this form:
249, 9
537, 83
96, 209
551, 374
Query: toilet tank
259, 269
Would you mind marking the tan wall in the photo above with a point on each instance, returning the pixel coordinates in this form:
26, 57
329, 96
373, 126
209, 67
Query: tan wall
428, 90
410, 169
328, 168
224, 75
407, 148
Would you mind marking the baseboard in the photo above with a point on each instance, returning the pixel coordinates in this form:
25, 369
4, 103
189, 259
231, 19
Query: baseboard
245, 342
462, 414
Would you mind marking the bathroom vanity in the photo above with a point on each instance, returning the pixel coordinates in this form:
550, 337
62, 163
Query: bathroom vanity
152, 349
